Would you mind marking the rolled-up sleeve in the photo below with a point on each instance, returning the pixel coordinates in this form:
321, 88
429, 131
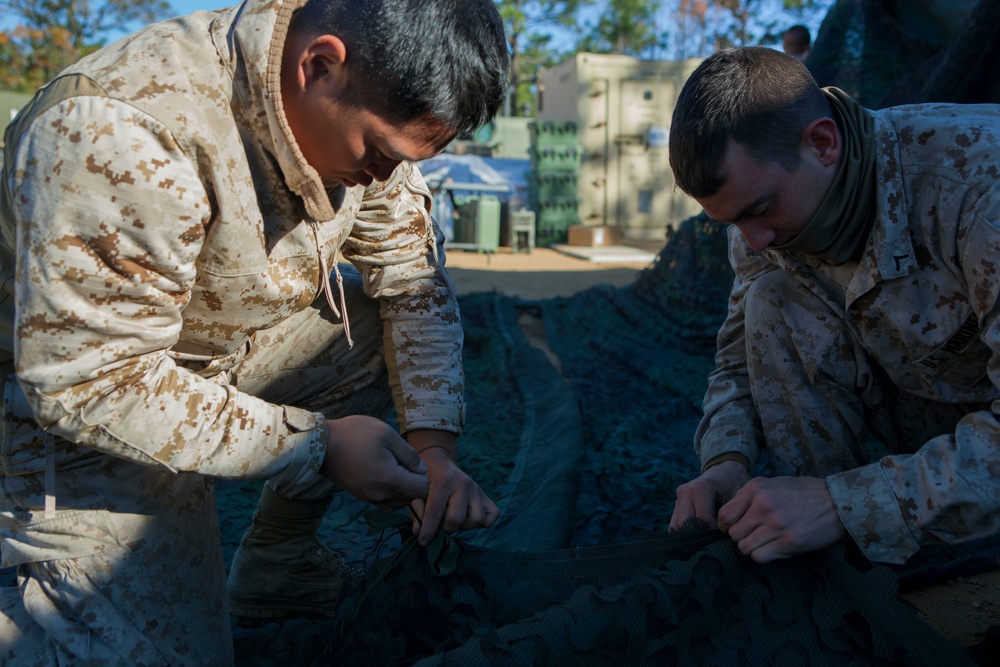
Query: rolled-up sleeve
400, 252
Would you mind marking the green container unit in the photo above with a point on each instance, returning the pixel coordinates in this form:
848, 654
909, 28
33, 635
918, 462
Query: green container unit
554, 133
553, 182
553, 218
556, 158
549, 184
478, 224
553, 197
547, 234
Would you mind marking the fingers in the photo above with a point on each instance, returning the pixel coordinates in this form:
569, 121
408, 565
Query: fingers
700, 498
371, 461
490, 513
705, 509
683, 510
406, 456
734, 510
409, 479
780, 517
434, 511
416, 514
695, 500
403, 487
458, 510
763, 547
453, 501
462, 510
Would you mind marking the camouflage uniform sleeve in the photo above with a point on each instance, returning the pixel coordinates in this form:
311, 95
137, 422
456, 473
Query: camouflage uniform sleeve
400, 252
949, 490
110, 220
730, 423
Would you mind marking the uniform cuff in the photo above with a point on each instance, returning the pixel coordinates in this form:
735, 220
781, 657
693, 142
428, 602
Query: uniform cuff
870, 512
435, 418
307, 443
728, 456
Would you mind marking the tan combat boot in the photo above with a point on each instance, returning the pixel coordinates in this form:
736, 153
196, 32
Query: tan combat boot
281, 567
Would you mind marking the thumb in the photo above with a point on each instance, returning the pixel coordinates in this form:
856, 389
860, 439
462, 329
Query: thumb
406, 456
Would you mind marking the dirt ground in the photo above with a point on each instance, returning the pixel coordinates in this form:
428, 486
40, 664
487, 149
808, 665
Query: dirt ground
962, 609
541, 274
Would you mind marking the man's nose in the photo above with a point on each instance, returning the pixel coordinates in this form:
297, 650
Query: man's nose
758, 237
381, 170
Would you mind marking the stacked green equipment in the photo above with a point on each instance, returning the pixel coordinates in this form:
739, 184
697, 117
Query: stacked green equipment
556, 155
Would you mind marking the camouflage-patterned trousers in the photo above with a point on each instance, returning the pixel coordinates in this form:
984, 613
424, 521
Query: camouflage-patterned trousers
128, 569
825, 405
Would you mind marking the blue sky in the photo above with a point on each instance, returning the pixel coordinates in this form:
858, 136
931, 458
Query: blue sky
181, 7
187, 6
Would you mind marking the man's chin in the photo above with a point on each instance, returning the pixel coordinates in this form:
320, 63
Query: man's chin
351, 183
332, 182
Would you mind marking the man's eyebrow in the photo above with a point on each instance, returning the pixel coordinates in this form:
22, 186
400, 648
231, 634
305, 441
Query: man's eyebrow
392, 153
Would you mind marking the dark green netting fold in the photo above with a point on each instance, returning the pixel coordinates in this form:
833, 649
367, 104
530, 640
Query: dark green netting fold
686, 598
537, 499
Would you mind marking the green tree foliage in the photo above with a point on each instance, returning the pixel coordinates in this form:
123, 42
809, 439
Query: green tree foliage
626, 27
762, 21
49, 35
700, 27
527, 23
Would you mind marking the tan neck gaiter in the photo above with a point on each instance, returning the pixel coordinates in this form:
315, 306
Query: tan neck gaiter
838, 231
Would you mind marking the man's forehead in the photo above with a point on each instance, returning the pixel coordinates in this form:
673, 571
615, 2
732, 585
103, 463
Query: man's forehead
744, 184
418, 139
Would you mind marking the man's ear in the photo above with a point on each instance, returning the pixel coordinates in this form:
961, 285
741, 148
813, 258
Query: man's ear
822, 138
322, 62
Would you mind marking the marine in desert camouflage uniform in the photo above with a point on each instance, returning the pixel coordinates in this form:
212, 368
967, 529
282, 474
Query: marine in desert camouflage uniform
219, 262
861, 350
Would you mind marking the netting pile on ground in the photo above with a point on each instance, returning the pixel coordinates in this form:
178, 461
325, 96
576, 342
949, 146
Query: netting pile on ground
637, 360
671, 600
583, 461
686, 598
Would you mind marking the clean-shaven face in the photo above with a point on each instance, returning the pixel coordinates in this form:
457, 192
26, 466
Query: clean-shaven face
768, 204
352, 145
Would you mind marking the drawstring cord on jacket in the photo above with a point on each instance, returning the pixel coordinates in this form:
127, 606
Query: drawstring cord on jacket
50, 475
328, 291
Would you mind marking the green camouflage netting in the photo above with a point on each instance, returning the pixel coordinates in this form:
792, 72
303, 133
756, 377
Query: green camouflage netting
584, 465
688, 598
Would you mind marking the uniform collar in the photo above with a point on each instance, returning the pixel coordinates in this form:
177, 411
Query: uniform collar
253, 36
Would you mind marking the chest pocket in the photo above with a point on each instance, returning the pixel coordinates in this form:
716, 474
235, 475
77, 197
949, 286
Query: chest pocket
962, 360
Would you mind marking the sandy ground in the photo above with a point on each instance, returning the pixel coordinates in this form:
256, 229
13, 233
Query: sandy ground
961, 609
541, 274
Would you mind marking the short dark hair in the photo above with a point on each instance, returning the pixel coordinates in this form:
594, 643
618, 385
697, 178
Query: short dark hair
799, 37
446, 58
755, 95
